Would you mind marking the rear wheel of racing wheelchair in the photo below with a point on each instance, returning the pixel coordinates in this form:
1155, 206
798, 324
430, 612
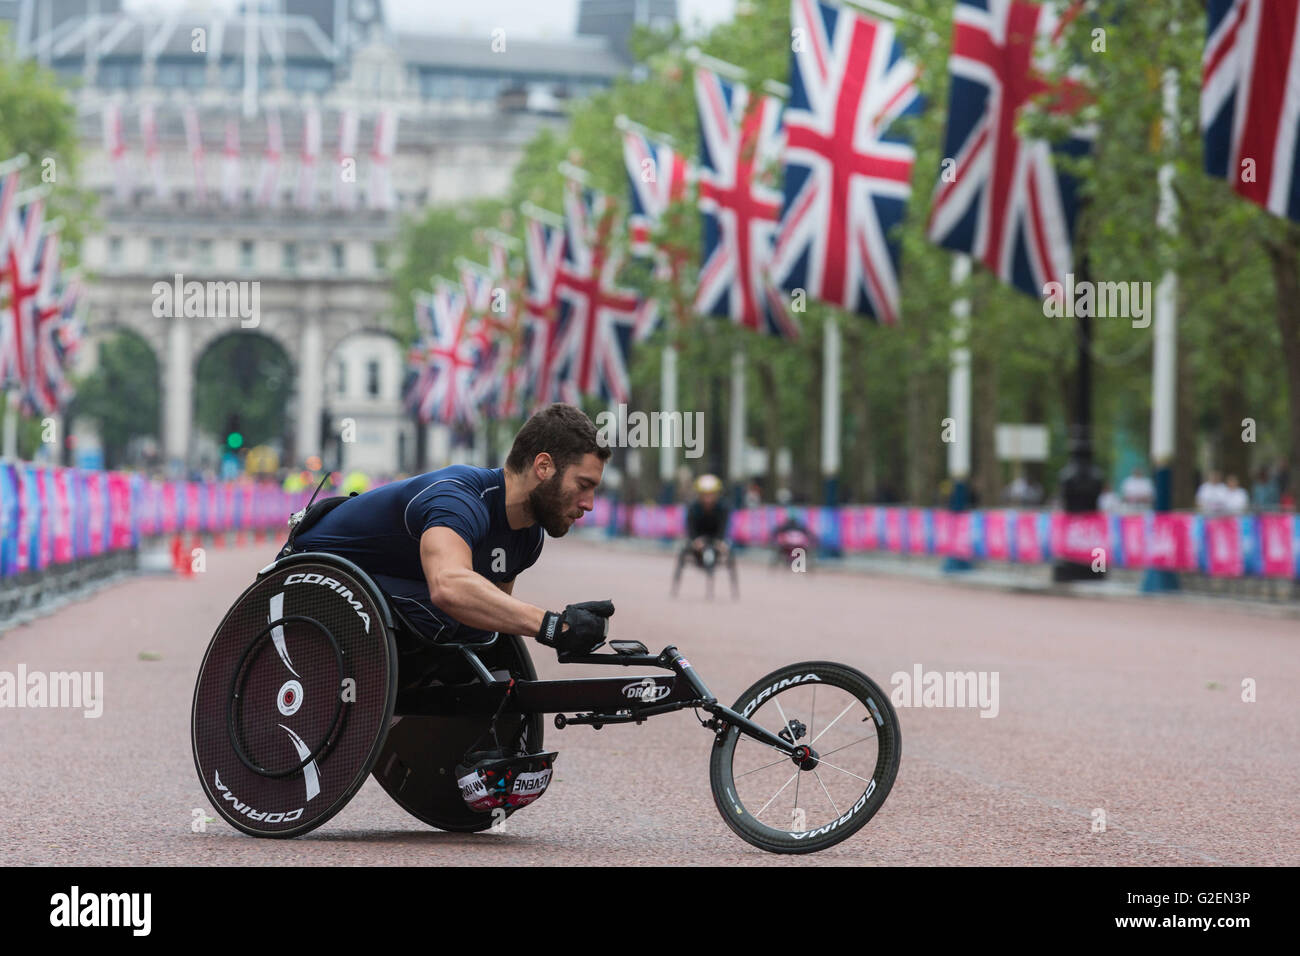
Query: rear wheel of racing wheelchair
294, 696
851, 744
417, 765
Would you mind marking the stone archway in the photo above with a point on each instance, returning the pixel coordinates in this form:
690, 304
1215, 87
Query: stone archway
243, 384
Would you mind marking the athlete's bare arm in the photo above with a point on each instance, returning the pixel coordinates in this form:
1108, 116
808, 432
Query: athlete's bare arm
464, 594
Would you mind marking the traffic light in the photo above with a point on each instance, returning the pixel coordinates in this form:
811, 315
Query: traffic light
234, 437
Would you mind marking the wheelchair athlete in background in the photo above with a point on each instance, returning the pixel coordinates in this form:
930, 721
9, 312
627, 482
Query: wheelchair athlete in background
792, 539
706, 535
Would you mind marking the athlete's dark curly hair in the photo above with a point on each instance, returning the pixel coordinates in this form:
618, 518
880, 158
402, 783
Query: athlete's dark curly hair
562, 431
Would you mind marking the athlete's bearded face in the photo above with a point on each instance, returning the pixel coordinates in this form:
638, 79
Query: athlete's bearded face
560, 500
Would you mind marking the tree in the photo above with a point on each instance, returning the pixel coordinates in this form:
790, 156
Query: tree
121, 395
38, 119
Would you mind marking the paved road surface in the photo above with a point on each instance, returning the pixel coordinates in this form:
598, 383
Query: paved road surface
1135, 710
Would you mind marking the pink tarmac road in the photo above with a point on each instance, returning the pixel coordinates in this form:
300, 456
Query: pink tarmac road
1104, 706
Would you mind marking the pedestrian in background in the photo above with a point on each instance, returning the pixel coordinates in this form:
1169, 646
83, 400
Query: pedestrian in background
1137, 490
1210, 497
1235, 499
1264, 495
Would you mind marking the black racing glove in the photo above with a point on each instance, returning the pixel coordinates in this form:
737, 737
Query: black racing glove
579, 630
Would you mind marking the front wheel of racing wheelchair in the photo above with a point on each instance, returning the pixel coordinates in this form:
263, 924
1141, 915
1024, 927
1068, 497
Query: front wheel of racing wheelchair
294, 704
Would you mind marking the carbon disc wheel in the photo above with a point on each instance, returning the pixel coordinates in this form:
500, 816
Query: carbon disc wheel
850, 744
294, 698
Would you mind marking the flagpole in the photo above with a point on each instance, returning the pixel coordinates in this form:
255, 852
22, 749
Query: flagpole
1081, 479
11, 165
831, 409
623, 124
736, 432
1164, 384
959, 399
668, 393
733, 72
251, 49
534, 211
11, 425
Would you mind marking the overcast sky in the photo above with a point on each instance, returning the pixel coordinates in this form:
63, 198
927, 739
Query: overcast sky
534, 18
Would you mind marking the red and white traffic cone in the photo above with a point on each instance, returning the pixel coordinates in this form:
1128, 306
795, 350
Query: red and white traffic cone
180, 564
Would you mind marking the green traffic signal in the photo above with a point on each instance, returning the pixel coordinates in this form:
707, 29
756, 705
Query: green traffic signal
234, 440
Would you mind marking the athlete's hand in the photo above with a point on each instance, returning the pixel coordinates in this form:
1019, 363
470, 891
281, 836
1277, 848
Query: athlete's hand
599, 608
579, 630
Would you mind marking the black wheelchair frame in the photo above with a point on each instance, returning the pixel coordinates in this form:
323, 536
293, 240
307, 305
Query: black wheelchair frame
425, 724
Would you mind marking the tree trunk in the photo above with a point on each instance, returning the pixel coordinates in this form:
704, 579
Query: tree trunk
808, 477
918, 427
1184, 463
1234, 457
864, 474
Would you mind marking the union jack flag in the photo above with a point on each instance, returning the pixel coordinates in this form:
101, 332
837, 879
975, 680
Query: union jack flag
1250, 101
61, 343
115, 146
597, 320
543, 253
1004, 202
382, 195
21, 271
194, 142
310, 152
447, 352
153, 158
515, 331
268, 190
230, 164
8, 206
484, 329
47, 310
417, 390
739, 141
847, 169
657, 176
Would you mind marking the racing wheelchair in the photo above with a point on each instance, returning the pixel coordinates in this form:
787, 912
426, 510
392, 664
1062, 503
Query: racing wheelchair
707, 559
314, 680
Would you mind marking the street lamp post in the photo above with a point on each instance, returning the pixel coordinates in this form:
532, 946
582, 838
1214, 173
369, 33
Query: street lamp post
1081, 479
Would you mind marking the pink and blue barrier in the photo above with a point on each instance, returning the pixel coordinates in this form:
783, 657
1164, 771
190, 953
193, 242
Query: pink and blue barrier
51, 516
1254, 545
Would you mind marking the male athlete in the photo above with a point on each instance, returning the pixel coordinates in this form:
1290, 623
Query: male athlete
446, 546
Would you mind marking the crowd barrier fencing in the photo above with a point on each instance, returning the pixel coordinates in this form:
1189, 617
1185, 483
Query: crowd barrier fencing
53, 517
1239, 546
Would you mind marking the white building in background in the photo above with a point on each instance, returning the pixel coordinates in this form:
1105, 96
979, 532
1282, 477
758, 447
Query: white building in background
362, 398
183, 200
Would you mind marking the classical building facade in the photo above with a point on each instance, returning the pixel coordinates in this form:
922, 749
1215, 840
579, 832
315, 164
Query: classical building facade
211, 192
